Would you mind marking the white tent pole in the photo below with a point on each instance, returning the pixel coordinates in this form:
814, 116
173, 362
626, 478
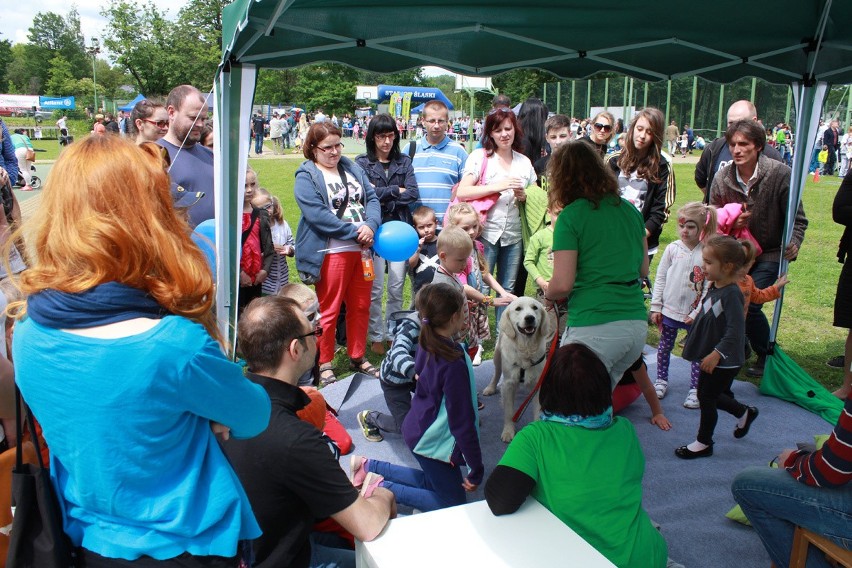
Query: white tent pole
808, 102
235, 90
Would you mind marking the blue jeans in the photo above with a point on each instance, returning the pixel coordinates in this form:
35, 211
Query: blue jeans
330, 551
437, 486
757, 327
775, 503
507, 259
258, 143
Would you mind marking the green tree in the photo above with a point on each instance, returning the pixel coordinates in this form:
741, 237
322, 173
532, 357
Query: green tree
141, 36
24, 71
55, 34
61, 79
329, 86
5, 60
197, 39
276, 86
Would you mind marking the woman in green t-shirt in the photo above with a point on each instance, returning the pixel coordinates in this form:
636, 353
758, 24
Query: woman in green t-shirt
599, 254
584, 465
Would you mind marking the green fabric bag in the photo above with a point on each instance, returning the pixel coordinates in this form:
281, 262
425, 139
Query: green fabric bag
784, 379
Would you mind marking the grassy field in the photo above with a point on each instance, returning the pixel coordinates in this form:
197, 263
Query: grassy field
805, 332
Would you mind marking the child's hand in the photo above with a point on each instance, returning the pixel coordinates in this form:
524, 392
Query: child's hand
543, 284
245, 279
661, 422
708, 364
782, 281
688, 320
261, 276
468, 486
502, 301
656, 318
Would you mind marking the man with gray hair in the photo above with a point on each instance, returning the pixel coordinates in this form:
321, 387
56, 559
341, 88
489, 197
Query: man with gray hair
192, 163
716, 154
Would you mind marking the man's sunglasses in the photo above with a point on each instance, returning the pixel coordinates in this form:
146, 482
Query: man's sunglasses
317, 332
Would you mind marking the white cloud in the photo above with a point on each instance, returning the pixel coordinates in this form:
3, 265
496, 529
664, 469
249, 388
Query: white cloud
18, 16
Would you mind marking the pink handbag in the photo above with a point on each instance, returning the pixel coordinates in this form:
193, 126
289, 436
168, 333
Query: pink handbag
481, 204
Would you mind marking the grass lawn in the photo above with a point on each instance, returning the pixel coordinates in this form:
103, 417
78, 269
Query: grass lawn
805, 332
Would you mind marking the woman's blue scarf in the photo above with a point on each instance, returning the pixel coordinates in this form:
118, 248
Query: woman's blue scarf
106, 303
602, 420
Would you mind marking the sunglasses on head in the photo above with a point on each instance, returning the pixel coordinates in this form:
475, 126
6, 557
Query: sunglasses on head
603, 127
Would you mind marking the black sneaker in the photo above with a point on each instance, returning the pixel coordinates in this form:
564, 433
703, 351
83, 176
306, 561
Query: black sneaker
838, 362
371, 433
756, 370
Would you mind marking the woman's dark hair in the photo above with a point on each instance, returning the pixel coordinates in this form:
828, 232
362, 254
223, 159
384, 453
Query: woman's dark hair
576, 382
142, 110
318, 132
727, 250
647, 164
436, 305
382, 124
493, 122
576, 171
750, 129
532, 116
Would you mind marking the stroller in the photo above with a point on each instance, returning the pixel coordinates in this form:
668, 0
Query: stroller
35, 182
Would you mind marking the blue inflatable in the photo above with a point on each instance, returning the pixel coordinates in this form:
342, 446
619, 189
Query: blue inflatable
395, 241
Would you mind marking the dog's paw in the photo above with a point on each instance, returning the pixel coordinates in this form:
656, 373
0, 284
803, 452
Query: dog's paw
508, 434
489, 390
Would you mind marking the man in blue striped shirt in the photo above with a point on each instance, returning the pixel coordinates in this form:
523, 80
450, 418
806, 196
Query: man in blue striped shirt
438, 162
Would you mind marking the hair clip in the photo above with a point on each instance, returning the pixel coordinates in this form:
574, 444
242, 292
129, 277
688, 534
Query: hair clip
424, 321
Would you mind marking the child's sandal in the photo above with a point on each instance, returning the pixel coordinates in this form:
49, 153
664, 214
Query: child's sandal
363, 366
327, 375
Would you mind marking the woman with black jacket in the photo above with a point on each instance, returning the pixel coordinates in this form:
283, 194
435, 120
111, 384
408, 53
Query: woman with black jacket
392, 175
645, 177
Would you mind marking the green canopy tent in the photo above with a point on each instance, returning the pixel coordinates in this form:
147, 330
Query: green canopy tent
806, 43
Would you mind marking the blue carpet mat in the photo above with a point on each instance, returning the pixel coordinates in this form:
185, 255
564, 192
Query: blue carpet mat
688, 498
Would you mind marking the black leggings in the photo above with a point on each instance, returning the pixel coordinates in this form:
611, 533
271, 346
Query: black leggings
89, 559
714, 391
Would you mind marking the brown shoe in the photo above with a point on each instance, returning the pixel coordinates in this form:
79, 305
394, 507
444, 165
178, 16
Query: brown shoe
378, 347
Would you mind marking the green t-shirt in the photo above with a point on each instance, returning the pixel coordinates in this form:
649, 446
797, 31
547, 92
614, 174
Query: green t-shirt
608, 241
592, 481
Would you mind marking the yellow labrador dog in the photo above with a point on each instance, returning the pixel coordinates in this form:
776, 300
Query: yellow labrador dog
526, 331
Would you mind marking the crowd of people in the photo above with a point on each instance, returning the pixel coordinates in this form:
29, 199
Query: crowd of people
576, 206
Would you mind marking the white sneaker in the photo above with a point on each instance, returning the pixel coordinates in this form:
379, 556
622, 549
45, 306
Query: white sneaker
692, 399
477, 359
661, 387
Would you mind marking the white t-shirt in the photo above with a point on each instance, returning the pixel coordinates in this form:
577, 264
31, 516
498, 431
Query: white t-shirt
354, 213
503, 223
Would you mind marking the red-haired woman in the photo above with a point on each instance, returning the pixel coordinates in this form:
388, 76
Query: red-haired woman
507, 174
340, 214
118, 359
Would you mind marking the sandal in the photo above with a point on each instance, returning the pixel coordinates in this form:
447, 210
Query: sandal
363, 366
327, 375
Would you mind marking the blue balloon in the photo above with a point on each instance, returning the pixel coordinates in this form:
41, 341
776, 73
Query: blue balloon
395, 241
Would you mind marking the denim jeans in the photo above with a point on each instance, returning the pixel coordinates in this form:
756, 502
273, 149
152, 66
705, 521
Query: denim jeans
506, 259
757, 327
330, 551
396, 280
258, 143
437, 486
775, 503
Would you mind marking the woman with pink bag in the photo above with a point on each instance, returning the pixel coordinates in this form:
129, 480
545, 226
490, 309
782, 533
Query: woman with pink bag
504, 179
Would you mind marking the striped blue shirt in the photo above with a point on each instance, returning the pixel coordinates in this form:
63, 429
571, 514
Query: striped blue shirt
437, 169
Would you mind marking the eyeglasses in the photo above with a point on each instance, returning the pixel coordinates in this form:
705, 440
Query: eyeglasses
157, 123
435, 121
317, 332
386, 136
268, 207
604, 127
326, 149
